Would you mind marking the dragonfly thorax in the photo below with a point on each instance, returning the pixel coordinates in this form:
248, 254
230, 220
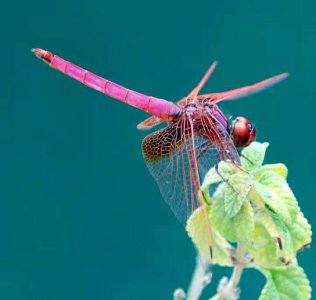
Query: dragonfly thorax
195, 110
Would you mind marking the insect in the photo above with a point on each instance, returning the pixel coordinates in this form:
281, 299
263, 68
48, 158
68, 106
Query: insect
197, 136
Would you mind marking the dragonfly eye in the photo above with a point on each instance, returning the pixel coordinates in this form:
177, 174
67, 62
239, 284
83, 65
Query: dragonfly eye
250, 127
243, 132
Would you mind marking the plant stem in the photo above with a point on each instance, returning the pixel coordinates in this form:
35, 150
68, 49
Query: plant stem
229, 291
200, 279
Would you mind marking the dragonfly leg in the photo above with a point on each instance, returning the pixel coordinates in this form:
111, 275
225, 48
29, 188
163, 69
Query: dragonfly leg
226, 180
205, 199
207, 222
219, 174
247, 159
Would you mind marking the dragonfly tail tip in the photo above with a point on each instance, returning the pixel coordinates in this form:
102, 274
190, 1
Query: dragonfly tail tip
46, 56
37, 51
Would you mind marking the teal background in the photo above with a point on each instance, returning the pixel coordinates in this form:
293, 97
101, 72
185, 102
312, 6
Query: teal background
80, 215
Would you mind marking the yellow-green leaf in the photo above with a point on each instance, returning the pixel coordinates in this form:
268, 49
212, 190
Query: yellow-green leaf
239, 228
252, 156
198, 231
301, 232
276, 193
235, 193
264, 250
218, 174
276, 168
286, 283
287, 252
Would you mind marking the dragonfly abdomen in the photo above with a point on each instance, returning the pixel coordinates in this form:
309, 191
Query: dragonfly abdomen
161, 108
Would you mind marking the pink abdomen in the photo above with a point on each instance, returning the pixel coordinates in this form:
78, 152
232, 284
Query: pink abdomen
163, 109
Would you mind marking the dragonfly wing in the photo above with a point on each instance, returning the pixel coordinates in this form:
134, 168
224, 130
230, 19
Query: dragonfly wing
244, 91
149, 123
193, 94
154, 121
179, 161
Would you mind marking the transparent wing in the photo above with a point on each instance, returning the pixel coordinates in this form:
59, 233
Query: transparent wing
154, 121
244, 91
193, 94
179, 156
149, 123
217, 97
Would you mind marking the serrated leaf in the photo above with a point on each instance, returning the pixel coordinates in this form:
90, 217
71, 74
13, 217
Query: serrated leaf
301, 232
276, 193
263, 251
291, 239
236, 192
239, 228
252, 156
272, 242
217, 174
197, 230
269, 292
264, 218
277, 230
276, 168
287, 283
287, 252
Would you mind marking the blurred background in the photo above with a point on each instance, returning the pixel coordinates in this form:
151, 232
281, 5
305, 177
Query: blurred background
80, 215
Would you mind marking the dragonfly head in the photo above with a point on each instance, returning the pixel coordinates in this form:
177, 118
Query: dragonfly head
243, 132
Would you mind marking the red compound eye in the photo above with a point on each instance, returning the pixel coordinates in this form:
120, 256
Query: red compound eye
243, 132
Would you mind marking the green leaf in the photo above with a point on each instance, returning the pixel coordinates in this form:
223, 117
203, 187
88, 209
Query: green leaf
301, 232
276, 168
252, 156
287, 283
217, 174
236, 192
269, 292
198, 231
253, 205
276, 193
239, 228
279, 235
263, 251
266, 249
287, 253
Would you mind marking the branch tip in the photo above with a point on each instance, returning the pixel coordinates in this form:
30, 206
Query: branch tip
178, 294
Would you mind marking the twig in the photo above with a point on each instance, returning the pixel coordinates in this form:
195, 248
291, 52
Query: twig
229, 290
178, 294
200, 279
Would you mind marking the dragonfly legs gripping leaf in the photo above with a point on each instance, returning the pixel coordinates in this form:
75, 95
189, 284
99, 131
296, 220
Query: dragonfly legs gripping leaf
225, 180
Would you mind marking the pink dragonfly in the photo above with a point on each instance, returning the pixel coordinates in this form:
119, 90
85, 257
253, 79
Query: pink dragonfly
197, 137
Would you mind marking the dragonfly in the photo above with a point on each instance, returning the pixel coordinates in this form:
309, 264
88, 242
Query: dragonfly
197, 137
